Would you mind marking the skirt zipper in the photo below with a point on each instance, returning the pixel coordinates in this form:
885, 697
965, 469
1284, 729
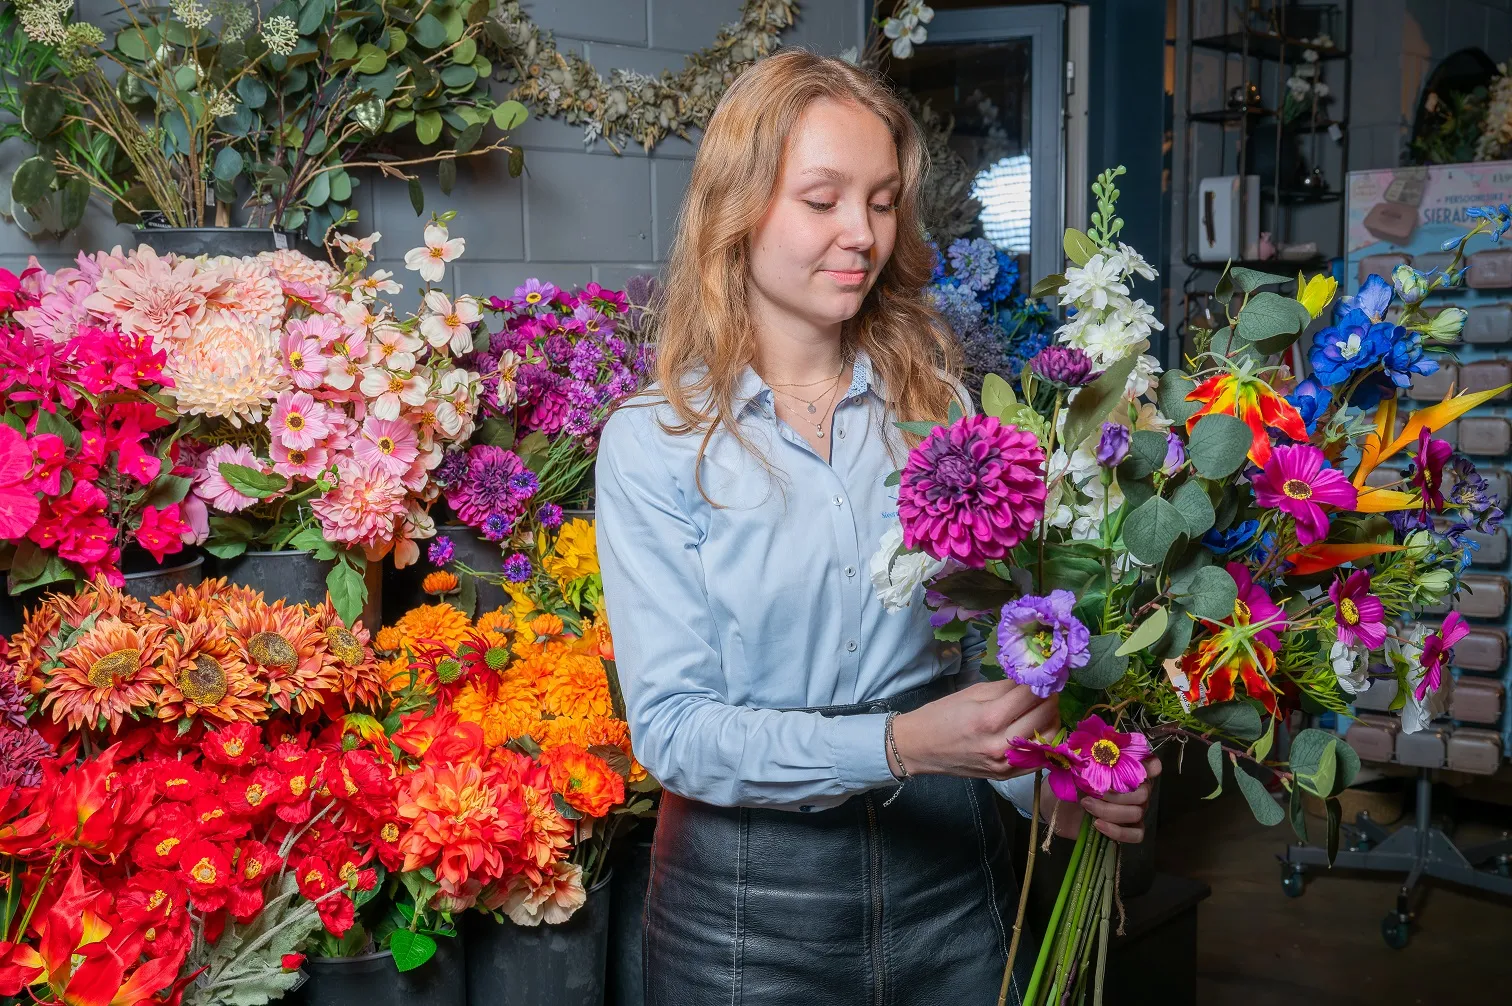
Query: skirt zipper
875, 876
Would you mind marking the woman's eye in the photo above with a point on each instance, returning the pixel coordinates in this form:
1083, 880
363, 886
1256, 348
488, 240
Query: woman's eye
818, 206
884, 207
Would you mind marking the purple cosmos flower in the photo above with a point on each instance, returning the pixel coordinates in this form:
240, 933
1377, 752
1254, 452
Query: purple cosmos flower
441, 551
550, 515
1064, 764
1428, 470
1438, 650
1064, 365
517, 568
1359, 616
534, 293
1253, 606
1113, 447
1295, 481
1040, 641
484, 489
1112, 761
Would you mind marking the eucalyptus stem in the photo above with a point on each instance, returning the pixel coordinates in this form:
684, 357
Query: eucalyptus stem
1039, 577
1055, 914
1023, 905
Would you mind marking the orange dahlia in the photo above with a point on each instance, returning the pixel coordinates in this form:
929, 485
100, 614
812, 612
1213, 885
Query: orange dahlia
215, 597
202, 674
585, 780
547, 834
462, 822
347, 651
550, 896
388, 639
105, 673
281, 645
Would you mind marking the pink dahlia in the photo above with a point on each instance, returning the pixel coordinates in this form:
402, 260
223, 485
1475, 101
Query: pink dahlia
389, 444
1253, 606
250, 289
1438, 649
1295, 482
365, 508
972, 491
298, 421
1114, 762
154, 296
213, 488
1359, 616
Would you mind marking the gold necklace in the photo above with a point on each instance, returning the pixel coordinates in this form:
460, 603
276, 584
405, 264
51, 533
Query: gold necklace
813, 406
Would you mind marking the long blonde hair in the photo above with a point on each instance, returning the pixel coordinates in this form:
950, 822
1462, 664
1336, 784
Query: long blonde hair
705, 337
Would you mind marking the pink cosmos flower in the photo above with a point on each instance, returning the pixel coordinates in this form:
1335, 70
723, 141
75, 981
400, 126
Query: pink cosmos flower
325, 329
1438, 649
18, 504
392, 348
163, 298
213, 487
1065, 765
1114, 762
379, 281
387, 444
299, 464
1428, 472
1359, 615
1254, 606
1295, 481
430, 259
298, 421
357, 246
162, 531
307, 364
388, 392
365, 507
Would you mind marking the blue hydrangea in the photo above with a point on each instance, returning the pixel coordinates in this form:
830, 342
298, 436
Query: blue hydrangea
974, 262
956, 302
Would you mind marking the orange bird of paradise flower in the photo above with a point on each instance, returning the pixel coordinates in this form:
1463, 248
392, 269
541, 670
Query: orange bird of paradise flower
1253, 401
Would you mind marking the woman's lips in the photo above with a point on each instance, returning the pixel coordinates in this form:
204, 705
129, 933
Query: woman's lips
847, 277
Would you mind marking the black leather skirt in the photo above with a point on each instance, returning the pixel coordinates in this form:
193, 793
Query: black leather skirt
906, 905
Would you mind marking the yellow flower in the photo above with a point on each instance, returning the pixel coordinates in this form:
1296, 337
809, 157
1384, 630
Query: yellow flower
1317, 293
574, 553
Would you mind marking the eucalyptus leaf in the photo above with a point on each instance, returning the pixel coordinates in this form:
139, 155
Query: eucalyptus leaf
1215, 762
1147, 635
997, 395
1237, 718
417, 196
1150, 531
42, 108
1104, 665
1264, 806
1335, 812
1175, 385
1196, 508
429, 32
1136, 491
1268, 316
1219, 445
1174, 643
510, 114
1250, 280
33, 181
428, 126
1211, 594
228, 163
370, 58
73, 201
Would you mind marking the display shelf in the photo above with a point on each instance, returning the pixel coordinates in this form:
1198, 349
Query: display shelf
1263, 45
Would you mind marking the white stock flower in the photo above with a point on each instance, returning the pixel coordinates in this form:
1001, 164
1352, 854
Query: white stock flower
895, 574
1131, 263
1094, 284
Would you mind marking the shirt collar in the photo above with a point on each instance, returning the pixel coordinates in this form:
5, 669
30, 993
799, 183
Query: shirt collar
753, 390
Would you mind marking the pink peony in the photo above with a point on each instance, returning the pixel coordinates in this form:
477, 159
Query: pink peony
213, 488
298, 421
59, 309
972, 491
1114, 761
365, 508
153, 296
389, 444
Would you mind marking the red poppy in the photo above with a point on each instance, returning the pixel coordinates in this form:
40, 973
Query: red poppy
213, 818
159, 848
317, 882
178, 780
234, 746
207, 869
152, 897
253, 794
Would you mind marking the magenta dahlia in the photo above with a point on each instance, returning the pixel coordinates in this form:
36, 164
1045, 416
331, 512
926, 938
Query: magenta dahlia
972, 491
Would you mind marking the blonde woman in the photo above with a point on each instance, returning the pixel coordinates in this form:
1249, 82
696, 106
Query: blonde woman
769, 691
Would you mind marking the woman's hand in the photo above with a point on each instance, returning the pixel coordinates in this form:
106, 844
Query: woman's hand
966, 732
1120, 816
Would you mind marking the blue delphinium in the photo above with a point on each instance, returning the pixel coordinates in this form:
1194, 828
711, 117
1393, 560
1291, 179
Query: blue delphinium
1500, 216
1311, 400
1346, 347
1005, 287
1372, 300
956, 302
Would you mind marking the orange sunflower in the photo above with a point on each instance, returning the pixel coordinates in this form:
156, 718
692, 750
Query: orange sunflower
281, 645
106, 673
216, 597
362, 685
27, 647
585, 780
100, 599
204, 675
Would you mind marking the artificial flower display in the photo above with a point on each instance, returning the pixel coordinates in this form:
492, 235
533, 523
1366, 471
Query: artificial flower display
1195, 555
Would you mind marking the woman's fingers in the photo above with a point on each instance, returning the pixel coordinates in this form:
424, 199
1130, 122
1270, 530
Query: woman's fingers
1119, 833
1114, 813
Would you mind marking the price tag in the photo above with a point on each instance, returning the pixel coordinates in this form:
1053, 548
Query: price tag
1334, 132
280, 241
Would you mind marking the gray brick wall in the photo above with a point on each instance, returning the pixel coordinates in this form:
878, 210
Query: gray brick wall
578, 214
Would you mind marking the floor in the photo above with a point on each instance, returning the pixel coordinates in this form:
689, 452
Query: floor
1257, 947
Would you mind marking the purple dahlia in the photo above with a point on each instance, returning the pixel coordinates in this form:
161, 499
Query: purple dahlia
1064, 365
1040, 641
485, 488
972, 491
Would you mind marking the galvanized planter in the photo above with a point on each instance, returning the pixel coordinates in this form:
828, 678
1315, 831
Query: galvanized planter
192, 241
148, 583
372, 980
512, 965
297, 576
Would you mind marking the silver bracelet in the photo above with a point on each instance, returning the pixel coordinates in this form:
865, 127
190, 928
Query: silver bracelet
892, 744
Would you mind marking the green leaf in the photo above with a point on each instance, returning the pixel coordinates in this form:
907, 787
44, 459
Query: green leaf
893, 479
1323, 763
469, 138
564, 808
1174, 643
1335, 812
1227, 343
1215, 762
1151, 530
1321, 782
251, 482
1272, 321
1147, 452
370, 59
225, 549
348, 589
135, 44
997, 395
1093, 402
417, 196
410, 949
459, 76
42, 108
1105, 665
1219, 445
1079, 248
1296, 814
1136, 492
954, 413
509, 115
57, 424
1238, 719
1211, 594
228, 163
1050, 286
343, 47
252, 91
1175, 385
976, 589
429, 32
917, 428
496, 432
1196, 509
428, 126
1147, 635
341, 187
33, 180
311, 16
1250, 280
1264, 806
74, 200
167, 490
516, 161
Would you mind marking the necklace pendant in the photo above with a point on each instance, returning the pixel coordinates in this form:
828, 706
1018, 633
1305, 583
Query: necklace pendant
818, 433
812, 409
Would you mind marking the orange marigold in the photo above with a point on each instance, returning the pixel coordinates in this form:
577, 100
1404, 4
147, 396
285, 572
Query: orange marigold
496, 625
546, 626
440, 582
432, 623
106, 673
511, 711
388, 639
585, 780
202, 674
578, 686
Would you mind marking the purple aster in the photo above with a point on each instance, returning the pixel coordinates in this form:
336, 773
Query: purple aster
523, 485
517, 568
1113, 447
21, 754
484, 487
1064, 365
441, 551
550, 515
12, 698
1040, 641
586, 357
579, 422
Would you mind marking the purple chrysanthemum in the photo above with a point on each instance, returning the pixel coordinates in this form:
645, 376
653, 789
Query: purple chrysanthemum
550, 515
972, 491
441, 551
21, 754
517, 568
1063, 365
452, 469
12, 698
1040, 641
484, 488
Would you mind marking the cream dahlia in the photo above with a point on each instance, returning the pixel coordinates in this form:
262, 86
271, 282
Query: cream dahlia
229, 367
163, 298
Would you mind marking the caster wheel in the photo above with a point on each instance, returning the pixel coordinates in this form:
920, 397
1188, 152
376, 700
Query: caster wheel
1292, 881
1396, 931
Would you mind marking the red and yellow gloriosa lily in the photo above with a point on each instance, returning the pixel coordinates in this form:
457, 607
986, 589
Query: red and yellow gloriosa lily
1255, 402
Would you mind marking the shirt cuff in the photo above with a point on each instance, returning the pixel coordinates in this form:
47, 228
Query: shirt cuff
1018, 791
859, 749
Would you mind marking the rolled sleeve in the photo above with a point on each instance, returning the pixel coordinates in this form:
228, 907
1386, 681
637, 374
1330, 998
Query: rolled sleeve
683, 728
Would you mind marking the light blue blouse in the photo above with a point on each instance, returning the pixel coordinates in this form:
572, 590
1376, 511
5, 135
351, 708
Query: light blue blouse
725, 618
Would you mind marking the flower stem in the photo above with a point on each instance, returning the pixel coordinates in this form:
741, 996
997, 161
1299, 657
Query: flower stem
1023, 905
1055, 915
1039, 576
1071, 932
1102, 947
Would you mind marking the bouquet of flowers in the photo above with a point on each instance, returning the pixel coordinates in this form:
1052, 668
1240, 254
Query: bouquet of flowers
1196, 555
92, 469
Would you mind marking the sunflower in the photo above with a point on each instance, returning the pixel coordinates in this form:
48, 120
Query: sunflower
347, 651
185, 602
28, 647
100, 599
204, 675
107, 673
281, 645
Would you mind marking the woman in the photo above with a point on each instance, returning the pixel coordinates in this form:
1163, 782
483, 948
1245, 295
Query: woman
766, 687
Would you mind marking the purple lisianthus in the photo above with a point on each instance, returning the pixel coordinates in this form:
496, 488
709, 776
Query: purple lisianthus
1063, 365
550, 515
1113, 447
441, 551
517, 568
485, 487
1040, 641
1175, 454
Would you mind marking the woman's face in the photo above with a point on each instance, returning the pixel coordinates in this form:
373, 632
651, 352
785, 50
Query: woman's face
831, 225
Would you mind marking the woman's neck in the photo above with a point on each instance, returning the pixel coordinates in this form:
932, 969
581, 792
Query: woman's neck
794, 357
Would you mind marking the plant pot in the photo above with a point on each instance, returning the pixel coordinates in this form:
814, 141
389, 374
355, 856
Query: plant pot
512, 965
402, 587
585, 514
372, 980
296, 576
13, 611
192, 241
145, 584
627, 926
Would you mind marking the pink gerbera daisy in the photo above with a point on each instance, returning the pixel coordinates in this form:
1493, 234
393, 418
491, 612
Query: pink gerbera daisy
298, 421
387, 444
1295, 482
1359, 615
1114, 762
307, 364
1065, 765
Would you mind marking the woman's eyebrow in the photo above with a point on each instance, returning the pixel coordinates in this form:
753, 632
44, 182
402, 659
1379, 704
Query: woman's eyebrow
840, 177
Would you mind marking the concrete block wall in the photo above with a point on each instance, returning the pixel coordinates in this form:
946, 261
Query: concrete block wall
579, 214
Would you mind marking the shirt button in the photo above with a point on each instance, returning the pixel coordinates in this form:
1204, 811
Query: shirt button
839, 501
840, 433
850, 570
851, 646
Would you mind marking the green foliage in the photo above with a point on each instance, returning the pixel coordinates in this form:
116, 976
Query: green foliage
1105, 665
1150, 531
1218, 445
1148, 633
1105, 223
